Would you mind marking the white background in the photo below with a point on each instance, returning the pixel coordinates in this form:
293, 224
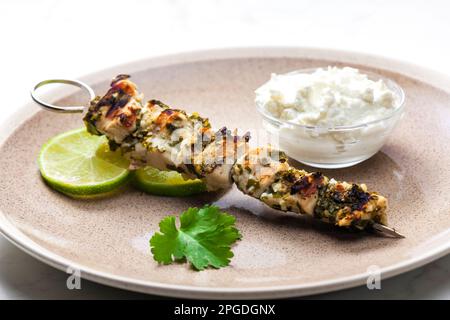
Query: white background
51, 38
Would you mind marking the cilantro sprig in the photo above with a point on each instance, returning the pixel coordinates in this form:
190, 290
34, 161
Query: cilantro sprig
204, 238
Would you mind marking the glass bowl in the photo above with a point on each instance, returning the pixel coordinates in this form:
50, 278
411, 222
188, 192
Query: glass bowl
338, 146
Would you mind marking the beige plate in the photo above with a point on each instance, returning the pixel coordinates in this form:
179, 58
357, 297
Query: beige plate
280, 255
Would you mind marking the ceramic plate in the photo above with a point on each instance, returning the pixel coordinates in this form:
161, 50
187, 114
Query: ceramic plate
281, 255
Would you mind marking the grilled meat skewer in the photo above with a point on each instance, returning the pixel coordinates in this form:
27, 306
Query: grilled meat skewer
170, 139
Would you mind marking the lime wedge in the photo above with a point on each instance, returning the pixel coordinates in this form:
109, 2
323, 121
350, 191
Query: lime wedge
166, 183
80, 164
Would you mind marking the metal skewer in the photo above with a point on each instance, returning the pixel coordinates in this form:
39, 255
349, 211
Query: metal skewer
382, 229
55, 108
387, 231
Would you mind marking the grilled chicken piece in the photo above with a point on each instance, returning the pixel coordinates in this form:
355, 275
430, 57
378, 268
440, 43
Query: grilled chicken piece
170, 139
116, 113
266, 175
165, 138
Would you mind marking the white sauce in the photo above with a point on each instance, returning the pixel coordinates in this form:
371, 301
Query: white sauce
327, 97
324, 100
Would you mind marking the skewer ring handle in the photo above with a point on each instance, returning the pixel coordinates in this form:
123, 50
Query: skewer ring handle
55, 108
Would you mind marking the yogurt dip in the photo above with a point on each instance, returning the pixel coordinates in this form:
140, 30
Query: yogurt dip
327, 97
330, 117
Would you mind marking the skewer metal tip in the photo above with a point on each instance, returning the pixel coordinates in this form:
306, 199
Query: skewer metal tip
387, 231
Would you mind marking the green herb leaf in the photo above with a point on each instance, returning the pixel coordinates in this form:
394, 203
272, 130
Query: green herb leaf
204, 238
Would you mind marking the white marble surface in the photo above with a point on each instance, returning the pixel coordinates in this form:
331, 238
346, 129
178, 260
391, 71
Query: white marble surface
55, 38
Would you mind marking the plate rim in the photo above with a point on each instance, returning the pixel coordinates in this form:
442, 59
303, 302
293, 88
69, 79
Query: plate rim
16, 237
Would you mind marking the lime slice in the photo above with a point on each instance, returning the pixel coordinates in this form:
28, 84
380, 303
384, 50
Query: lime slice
166, 183
79, 164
